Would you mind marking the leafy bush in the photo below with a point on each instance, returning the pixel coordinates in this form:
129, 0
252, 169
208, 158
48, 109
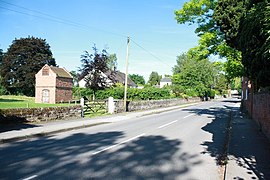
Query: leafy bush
211, 93
82, 92
3, 90
150, 93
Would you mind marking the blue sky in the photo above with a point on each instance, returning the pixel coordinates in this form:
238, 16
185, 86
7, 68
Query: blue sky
71, 27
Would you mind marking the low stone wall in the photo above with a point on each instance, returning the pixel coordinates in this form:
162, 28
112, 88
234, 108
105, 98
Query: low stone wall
151, 104
258, 108
19, 115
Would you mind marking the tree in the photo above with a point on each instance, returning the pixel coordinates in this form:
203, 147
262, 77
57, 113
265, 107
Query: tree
154, 78
212, 39
137, 79
246, 28
1, 56
195, 77
180, 61
75, 77
112, 62
23, 59
93, 68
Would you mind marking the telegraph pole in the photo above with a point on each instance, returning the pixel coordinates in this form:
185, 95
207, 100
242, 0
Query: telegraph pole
126, 76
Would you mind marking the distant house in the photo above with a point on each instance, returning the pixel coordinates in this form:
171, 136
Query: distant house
53, 85
166, 81
112, 77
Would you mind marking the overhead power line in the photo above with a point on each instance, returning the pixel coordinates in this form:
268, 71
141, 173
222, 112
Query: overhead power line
153, 55
49, 17
56, 19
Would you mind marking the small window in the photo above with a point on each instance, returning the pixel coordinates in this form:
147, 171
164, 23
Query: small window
45, 71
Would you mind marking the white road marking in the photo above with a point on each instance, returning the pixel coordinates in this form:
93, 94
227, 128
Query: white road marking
188, 116
167, 124
113, 146
31, 177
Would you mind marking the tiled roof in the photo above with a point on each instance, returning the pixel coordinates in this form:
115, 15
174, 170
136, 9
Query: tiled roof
119, 77
166, 79
60, 72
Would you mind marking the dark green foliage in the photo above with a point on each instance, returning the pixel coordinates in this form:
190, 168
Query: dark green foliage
154, 78
1, 56
246, 28
93, 65
23, 59
137, 79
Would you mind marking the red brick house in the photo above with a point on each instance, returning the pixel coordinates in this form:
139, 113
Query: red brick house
53, 85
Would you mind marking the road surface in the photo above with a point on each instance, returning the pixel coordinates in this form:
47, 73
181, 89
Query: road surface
179, 144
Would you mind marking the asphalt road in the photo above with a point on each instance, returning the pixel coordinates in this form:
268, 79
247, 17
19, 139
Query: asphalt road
180, 144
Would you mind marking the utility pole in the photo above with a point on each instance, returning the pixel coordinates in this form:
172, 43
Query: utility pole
126, 81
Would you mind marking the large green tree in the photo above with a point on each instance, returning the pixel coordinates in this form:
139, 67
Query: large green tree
212, 40
137, 79
193, 75
93, 67
246, 28
23, 59
154, 78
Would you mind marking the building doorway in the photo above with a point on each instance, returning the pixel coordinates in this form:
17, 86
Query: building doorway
45, 96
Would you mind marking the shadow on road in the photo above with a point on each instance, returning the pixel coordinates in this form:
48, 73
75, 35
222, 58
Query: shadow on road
248, 146
217, 127
72, 157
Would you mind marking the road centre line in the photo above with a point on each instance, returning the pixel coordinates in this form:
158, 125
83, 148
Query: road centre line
113, 146
31, 177
167, 124
188, 116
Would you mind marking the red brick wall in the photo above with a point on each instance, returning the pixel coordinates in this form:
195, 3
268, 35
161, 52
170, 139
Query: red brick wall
64, 82
260, 111
63, 90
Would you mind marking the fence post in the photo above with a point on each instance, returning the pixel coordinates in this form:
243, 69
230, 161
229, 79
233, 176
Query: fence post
82, 107
110, 105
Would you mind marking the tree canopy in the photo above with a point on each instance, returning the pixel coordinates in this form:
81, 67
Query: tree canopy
246, 28
211, 40
1, 56
193, 77
23, 59
154, 78
137, 79
112, 62
93, 67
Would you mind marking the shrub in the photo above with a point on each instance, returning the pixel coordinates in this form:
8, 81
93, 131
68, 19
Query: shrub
150, 93
211, 93
82, 92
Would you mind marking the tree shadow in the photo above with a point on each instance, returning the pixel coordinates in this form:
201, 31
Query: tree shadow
247, 145
9, 123
73, 157
250, 147
10, 100
218, 128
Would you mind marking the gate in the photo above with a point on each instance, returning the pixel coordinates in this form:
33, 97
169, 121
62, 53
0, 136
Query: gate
95, 107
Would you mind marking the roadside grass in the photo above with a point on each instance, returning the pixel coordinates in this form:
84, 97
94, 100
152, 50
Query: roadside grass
10, 101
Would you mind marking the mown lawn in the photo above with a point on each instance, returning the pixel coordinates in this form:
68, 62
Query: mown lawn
9, 101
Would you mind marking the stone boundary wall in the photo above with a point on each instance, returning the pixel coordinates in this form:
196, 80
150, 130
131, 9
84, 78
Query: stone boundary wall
20, 115
151, 104
259, 110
